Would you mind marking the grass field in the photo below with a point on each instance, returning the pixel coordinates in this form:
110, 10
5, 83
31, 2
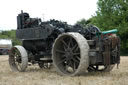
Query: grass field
36, 76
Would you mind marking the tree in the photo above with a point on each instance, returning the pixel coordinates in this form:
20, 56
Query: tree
113, 14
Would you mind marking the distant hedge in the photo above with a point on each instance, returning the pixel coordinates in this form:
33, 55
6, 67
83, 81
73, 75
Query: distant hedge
10, 35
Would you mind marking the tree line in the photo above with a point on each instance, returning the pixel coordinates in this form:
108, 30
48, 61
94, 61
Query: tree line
10, 35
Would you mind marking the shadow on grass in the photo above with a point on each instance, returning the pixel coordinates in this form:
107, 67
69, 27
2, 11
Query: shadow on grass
106, 74
37, 69
86, 74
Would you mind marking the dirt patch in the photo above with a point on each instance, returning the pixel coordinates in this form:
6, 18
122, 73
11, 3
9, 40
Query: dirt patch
36, 76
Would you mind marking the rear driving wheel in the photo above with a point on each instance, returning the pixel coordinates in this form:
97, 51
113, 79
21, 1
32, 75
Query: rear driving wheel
103, 68
70, 54
18, 59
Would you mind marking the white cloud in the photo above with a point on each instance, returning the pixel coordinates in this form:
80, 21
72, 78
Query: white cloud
65, 10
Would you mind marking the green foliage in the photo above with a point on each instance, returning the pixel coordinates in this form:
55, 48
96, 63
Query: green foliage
10, 35
112, 14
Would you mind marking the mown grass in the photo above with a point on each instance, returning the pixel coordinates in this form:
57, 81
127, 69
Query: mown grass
36, 76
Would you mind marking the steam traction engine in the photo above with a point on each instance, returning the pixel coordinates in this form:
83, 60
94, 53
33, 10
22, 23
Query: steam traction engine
73, 50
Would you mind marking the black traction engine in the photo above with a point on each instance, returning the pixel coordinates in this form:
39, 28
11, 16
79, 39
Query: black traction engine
72, 49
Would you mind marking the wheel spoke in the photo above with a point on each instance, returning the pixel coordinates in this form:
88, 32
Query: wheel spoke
13, 61
77, 48
74, 46
77, 61
90, 69
74, 67
19, 66
11, 54
71, 41
60, 51
62, 61
64, 43
70, 63
69, 44
78, 58
19, 58
64, 47
66, 68
93, 68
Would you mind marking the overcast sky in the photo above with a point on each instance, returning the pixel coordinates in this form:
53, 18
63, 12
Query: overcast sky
65, 10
